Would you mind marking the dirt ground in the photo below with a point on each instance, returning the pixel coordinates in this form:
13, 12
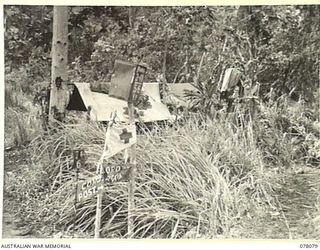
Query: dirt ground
12, 225
293, 218
297, 195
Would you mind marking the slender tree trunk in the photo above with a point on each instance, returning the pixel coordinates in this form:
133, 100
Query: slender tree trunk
59, 95
164, 63
132, 16
186, 69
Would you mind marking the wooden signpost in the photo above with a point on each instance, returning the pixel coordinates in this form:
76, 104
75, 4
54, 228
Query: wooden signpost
137, 82
133, 159
78, 161
97, 225
99, 173
108, 173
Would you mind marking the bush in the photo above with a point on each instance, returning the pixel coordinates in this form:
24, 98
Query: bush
21, 127
288, 134
21, 116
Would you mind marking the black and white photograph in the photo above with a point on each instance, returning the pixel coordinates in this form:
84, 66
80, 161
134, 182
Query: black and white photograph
161, 122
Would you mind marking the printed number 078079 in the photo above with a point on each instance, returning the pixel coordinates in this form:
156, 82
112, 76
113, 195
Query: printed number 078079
309, 246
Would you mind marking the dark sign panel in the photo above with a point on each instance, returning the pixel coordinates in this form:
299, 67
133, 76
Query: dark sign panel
93, 186
137, 83
121, 80
126, 83
116, 173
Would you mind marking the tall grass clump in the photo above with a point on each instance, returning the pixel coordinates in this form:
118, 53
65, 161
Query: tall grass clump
288, 134
202, 177
21, 116
21, 127
194, 180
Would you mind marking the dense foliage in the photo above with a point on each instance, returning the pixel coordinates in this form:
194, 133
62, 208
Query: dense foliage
273, 45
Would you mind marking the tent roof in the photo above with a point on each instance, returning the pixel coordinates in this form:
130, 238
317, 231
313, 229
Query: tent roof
102, 105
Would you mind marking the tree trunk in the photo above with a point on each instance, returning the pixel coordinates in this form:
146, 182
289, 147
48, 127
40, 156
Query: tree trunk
164, 63
132, 12
59, 95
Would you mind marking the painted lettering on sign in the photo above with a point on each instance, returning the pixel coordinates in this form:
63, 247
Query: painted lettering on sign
116, 173
89, 188
114, 178
137, 83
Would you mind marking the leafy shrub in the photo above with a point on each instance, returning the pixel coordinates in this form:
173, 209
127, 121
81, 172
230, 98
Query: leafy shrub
21, 116
288, 134
21, 127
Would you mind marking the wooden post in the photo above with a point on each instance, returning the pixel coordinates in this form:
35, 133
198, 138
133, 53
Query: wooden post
98, 215
99, 171
132, 12
132, 154
136, 85
59, 95
76, 159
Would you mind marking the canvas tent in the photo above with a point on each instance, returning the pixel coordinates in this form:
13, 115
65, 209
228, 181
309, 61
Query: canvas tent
101, 105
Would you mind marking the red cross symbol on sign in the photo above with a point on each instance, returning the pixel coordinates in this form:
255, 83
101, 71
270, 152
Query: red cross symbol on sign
125, 136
